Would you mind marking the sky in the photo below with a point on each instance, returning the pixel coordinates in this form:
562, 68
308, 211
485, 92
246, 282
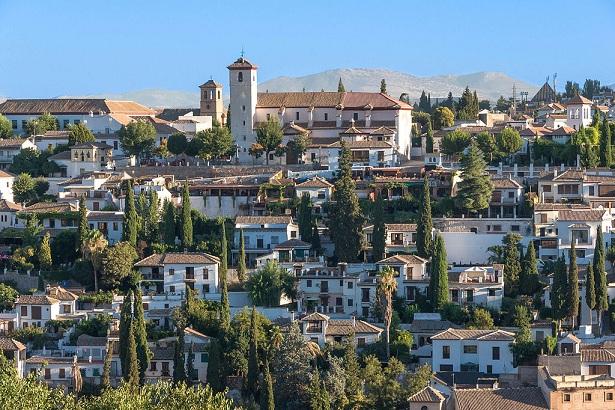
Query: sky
62, 47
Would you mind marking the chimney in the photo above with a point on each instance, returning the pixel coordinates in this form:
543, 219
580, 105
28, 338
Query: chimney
500, 168
547, 167
554, 172
354, 321
515, 169
561, 167
531, 170
90, 359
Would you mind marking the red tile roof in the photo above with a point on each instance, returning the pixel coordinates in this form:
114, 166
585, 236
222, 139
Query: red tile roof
523, 398
158, 259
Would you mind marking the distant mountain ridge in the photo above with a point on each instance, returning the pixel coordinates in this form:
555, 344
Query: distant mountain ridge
488, 85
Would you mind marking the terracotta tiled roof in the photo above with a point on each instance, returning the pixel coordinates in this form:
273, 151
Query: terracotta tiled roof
427, 395
293, 243
72, 106
241, 63
326, 99
597, 355
211, 83
581, 215
563, 131
400, 227
263, 220
51, 207
105, 215
178, 258
557, 206
505, 183
345, 327
316, 182
8, 344
15, 143
473, 334
403, 259
523, 398
87, 340
163, 353
362, 144
569, 175
58, 292
578, 99
315, 317
36, 300
195, 333
7, 206
93, 144
4, 174
545, 93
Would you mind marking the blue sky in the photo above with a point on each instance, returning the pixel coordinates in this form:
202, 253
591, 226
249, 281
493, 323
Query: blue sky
62, 47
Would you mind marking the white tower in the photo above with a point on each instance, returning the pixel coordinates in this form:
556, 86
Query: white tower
243, 84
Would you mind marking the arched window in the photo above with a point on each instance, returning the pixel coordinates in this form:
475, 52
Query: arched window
218, 94
424, 408
240, 77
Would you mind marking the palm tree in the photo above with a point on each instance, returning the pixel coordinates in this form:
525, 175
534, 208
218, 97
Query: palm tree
77, 380
386, 289
92, 249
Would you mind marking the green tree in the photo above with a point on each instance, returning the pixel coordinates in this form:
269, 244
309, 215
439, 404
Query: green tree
319, 397
79, 133
443, 117
214, 369
528, 281
125, 325
130, 216
573, 286
425, 224
168, 223
92, 250
438, 280
383, 86
590, 290
429, 139
24, 188
8, 295
455, 142
305, 217
132, 360
83, 227
252, 379
299, 145
602, 300
105, 381
153, 217
467, 108
241, 264
216, 142
512, 264
143, 351
138, 138
474, 191
267, 401
225, 313
606, 154
41, 125
315, 238
481, 319
186, 232
379, 230
117, 263
179, 365
265, 286
340, 86
6, 129
345, 215
508, 141
559, 289
269, 136
387, 285
44, 253
177, 143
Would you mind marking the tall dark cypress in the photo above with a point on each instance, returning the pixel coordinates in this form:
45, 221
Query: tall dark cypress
132, 362
225, 314
125, 325
143, 351
130, 216
186, 232
606, 154
83, 228
573, 286
267, 400
438, 280
602, 300
252, 379
179, 364
105, 381
379, 231
168, 224
425, 224
305, 217
241, 264
214, 366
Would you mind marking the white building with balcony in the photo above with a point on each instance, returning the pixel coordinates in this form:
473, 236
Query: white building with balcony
579, 111
36, 310
321, 329
11, 147
261, 234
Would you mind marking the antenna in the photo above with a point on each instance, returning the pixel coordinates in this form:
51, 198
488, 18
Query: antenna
242, 52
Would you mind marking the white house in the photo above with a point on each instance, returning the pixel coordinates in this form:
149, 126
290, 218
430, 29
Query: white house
109, 223
14, 351
6, 186
174, 273
318, 189
36, 310
485, 351
58, 371
321, 329
10, 147
262, 233
82, 158
399, 238
323, 114
8, 214
579, 111
51, 139
66, 299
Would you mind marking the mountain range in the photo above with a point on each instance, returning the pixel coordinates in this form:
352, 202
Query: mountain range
488, 85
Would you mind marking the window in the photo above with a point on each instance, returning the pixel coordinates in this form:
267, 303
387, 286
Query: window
24, 311
355, 116
268, 117
189, 272
47, 373
293, 234
205, 274
96, 372
240, 77
515, 228
608, 397
339, 301
360, 342
341, 283
446, 367
566, 396
65, 123
546, 188
365, 295
152, 366
115, 226
446, 352
470, 349
495, 353
350, 285
115, 145
326, 116
243, 108
145, 306
470, 295
587, 397
171, 272
172, 289
14, 124
491, 292
309, 283
77, 122
62, 373
297, 116
365, 311
489, 369
511, 194
24, 123
204, 357
380, 156
497, 228
206, 288
350, 302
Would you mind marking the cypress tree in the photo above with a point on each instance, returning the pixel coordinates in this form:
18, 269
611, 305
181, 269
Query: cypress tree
602, 300
241, 265
105, 382
225, 314
345, 215
319, 396
82, 229
573, 286
214, 370
142, 213
383, 86
125, 325
190, 370
153, 217
267, 401
529, 273
252, 379
475, 189
168, 223
130, 216
186, 232
132, 362
179, 365
44, 253
606, 155
305, 217
590, 290
438, 280
429, 142
315, 239
340, 86
512, 264
425, 225
559, 289
379, 230
143, 351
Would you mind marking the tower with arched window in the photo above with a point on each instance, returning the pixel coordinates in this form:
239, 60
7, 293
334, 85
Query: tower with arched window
211, 100
243, 85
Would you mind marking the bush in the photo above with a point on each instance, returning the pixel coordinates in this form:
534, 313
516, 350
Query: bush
35, 335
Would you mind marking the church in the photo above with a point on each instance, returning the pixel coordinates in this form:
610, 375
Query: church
361, 118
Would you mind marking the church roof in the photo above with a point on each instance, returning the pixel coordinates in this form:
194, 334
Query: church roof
578, 99
241, 63
210, 83
72, 106
545, 93
329, 99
